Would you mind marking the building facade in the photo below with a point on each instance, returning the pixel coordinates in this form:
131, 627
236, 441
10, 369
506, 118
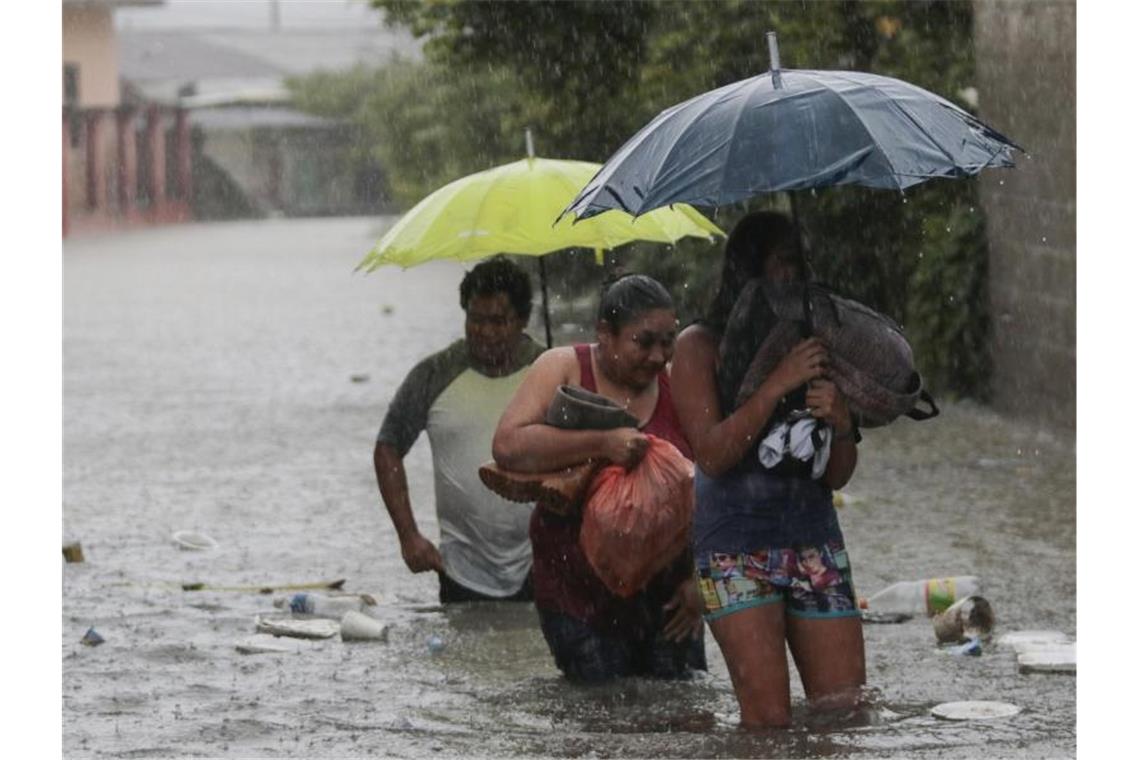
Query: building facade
123, 164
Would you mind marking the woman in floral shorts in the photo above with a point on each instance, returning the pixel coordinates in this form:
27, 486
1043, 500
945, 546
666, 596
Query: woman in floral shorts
770, 559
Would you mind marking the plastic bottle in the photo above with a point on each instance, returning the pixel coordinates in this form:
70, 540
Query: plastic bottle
926, 596
315, 605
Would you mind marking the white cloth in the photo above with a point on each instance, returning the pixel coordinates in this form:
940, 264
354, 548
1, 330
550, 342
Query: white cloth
797, 437
483, 538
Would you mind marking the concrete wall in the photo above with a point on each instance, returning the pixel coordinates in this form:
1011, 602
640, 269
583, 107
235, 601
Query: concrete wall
1026, 81
89, 41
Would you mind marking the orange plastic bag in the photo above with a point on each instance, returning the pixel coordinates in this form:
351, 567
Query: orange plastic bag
635, 522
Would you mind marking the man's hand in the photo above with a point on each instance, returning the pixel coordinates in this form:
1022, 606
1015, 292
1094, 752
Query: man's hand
626, 447
420, 554
686, 621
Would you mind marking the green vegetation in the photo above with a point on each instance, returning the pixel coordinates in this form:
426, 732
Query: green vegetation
586, 75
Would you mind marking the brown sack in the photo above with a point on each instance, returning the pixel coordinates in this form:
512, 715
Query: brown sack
636, 522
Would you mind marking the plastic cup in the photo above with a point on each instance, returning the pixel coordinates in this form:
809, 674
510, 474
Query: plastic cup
356, 626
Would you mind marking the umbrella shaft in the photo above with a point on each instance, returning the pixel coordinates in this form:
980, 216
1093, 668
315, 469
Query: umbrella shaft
545, 302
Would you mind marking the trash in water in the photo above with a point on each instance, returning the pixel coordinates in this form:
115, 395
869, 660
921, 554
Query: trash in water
356, 626
317, 605
73, 552
979, 710
1023, 641
885, 617
359, 378
929, 596
318, 628
262, 643
973, 646
193, 540
435, 644
968, 618
1048, 658
91, 638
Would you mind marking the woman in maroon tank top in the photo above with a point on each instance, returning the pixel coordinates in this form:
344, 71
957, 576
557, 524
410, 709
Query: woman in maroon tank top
593, 634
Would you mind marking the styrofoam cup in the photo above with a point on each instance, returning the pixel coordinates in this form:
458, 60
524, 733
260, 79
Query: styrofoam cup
356, 626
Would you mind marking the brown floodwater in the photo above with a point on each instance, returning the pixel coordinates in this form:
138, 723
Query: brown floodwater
230, 379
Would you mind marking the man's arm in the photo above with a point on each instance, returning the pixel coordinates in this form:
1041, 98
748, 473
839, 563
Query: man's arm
418, 552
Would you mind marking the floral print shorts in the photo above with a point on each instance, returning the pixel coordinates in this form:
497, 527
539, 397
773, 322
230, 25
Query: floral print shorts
813, 581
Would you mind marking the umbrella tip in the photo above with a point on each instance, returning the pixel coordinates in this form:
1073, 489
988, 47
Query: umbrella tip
774, 58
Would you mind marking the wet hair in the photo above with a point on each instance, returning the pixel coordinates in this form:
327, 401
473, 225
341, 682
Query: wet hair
630, 296
754, 238
498, 275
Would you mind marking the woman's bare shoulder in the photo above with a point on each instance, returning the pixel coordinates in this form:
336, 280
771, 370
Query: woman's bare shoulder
558, 356
698, 338
561, 362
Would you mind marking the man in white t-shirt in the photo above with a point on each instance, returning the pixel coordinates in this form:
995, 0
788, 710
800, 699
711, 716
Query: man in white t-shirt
457, 396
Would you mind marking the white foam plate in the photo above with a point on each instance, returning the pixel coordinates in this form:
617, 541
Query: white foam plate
974, 710
316, 628
263, 643
1021, 641
193, 540
1048, 658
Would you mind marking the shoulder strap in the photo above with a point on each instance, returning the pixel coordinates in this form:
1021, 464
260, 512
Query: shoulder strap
586, 365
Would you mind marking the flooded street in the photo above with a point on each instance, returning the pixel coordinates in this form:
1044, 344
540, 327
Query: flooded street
230, 379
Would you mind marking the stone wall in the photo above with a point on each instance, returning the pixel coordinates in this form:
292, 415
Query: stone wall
1026, 82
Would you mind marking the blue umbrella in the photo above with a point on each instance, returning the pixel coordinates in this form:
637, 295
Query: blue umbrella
792, 130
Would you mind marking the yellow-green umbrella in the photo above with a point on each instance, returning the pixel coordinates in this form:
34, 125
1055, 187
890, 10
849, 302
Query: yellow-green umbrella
512, 209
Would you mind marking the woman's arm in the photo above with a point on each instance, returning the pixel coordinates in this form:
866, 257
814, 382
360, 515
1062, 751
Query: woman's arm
523, 441
719, 442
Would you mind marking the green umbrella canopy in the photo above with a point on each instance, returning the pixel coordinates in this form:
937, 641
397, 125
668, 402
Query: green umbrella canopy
512, 209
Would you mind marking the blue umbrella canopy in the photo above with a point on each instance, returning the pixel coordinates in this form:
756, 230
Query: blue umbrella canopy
792, 130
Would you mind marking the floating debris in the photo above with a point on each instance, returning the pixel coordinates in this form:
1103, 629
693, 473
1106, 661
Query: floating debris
356, 626
979, 710
317, 628
972, 647
885, 617
267, 644
1024, 641
73, 552
193, 540
968, 618
92, 638
1048, 658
